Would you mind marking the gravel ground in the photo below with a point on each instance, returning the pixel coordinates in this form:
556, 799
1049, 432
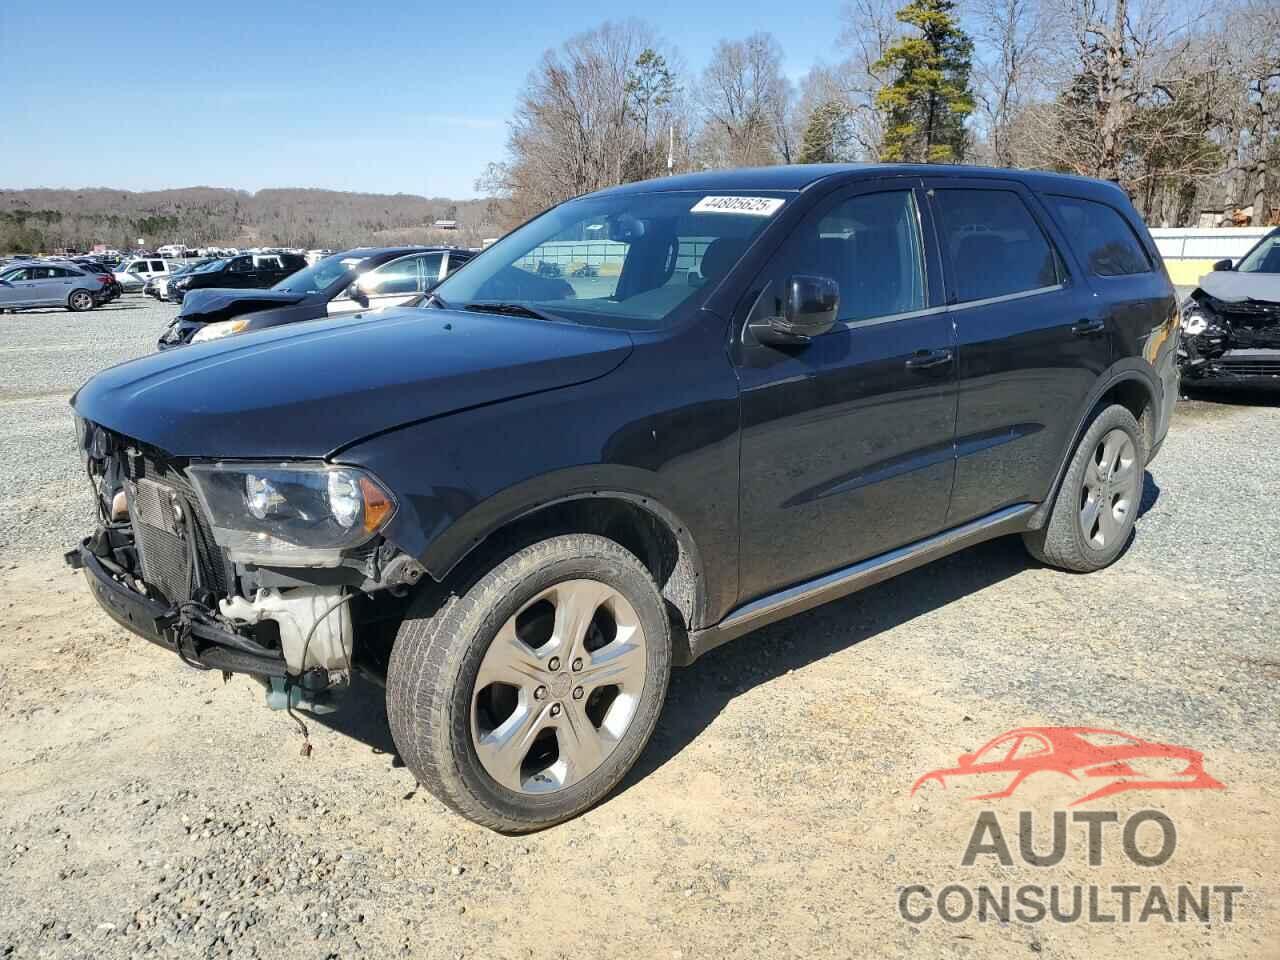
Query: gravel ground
150, 810
46, 355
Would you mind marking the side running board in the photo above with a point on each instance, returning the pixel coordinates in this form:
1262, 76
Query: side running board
865, 573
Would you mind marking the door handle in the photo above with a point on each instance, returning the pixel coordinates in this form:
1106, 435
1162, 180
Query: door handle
928, 359
1089, 328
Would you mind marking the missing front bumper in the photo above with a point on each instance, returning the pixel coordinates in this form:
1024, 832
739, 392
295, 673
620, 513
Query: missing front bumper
197, 644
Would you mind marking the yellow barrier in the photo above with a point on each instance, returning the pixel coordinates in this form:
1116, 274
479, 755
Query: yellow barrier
1187, 273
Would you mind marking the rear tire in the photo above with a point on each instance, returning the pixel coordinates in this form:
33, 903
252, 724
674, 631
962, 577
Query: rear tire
1096, 507
80, 301
523, 697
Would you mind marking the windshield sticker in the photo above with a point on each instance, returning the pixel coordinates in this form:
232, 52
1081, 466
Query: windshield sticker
752, 206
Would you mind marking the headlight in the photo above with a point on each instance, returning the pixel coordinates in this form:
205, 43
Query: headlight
216, 331
290, 514
1195, 323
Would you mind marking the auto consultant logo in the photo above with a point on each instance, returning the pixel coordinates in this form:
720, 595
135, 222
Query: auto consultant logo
1084, 763
1077, 765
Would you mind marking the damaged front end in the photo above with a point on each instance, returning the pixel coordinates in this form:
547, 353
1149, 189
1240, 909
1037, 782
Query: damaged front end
273, 570
1229, 340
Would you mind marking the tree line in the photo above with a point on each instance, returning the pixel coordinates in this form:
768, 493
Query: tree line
42, 221
1176, 100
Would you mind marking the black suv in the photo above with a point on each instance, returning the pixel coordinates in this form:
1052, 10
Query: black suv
525, 498
255, 271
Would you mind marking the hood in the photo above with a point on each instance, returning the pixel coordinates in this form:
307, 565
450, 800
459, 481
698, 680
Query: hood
308, 390
1233, 287
213, 304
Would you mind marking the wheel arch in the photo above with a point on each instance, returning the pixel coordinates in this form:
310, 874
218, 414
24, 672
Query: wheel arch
1127, 384
641, 523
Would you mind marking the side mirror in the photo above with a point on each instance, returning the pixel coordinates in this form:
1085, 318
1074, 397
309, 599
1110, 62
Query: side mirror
809, 310
1222, 265
358, 295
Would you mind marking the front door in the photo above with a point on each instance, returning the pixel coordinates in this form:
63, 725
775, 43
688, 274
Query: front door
393, 283
17, 289
1031, 341
847, 440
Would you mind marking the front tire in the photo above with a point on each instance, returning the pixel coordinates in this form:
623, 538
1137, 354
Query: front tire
80, 301
1097, 505
524, 697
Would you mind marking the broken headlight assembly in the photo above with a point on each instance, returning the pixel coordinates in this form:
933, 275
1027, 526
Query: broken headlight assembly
1197, 318
290, 514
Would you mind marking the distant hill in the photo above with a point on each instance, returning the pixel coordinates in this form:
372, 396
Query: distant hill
44, 220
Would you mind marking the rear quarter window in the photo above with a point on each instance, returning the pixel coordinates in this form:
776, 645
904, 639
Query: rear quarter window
1104, 238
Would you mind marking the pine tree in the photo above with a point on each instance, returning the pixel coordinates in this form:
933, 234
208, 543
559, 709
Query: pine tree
926, 104
826, 134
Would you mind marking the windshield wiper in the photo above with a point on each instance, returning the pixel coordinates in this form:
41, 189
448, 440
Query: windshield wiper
508, 309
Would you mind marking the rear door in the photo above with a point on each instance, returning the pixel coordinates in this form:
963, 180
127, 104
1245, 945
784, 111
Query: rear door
1031, 341
51, 286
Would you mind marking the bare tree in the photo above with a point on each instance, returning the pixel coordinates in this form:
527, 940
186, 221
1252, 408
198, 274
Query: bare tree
1014, 46
746, 104
868, 29
577, 126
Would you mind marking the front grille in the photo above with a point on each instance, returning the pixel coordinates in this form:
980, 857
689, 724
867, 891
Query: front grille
168, 522
1249, 367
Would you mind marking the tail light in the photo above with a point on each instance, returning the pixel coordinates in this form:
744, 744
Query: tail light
103, 278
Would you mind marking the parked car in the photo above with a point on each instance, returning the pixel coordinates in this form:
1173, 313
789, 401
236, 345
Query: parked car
249, 271
133, 274
1231, 322
362, 279
161, 289
111, 288
548, 493
23, 286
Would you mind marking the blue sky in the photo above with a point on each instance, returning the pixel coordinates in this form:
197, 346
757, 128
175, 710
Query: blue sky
386, 97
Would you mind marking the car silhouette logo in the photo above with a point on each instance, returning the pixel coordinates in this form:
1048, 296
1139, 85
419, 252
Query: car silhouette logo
1116, 761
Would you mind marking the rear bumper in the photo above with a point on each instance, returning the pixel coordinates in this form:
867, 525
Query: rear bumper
197, 644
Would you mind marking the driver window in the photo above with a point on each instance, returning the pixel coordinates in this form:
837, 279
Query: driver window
398, 276
241, 265
870, 245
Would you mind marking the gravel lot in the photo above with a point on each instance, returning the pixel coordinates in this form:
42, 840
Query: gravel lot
150, 810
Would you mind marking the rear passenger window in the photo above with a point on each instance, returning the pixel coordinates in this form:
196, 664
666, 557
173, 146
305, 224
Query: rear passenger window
1109, 244
995, 245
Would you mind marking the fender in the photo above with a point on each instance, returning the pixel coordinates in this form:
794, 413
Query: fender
595, 482
1130, 369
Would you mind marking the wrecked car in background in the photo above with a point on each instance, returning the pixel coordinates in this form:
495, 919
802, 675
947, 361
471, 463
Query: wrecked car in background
1231, 322
366, 278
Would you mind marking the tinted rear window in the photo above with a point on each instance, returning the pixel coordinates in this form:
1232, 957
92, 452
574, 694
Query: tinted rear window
995, 245
1109, 245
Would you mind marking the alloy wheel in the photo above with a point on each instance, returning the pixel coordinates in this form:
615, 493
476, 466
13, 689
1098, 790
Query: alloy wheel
1109, 495
81, 300
558, 687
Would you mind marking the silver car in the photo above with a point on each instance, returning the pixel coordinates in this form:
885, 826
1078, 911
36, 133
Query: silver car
25, 285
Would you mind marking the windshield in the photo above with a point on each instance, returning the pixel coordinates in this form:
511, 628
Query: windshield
624, 261
1264, 258
210, 267
320, 275
190, 268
